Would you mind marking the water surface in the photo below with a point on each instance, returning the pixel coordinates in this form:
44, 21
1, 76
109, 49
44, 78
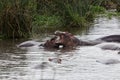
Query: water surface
82, 63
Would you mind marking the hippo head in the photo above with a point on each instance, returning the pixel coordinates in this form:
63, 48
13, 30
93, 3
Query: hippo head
66, 39
62, 39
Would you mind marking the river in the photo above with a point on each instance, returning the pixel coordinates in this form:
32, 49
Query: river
82, 63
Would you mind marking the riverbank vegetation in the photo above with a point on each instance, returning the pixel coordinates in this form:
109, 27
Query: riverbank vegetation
23, 18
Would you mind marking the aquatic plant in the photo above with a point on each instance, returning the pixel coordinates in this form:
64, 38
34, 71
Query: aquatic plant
18, 18
15, 18
73, 12
44, 23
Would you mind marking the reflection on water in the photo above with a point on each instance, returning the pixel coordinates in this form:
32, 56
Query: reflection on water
83, 63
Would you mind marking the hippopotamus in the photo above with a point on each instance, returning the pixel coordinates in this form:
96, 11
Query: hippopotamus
110, 38
28, 44
109, 46
109, 61
68, 40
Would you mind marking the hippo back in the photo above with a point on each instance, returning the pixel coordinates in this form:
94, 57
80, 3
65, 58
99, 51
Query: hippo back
111, 38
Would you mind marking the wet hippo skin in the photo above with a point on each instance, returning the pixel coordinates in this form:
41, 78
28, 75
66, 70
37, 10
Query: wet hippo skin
111, 38
50, 43
109, 61
28, 44
68, 40
109, 46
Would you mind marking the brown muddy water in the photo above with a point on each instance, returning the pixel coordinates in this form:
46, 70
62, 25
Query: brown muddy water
82, 63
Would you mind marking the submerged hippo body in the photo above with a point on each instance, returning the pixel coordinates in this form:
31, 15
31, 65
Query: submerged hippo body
28, 44
111, 38
109, 46
109, 61
68, 40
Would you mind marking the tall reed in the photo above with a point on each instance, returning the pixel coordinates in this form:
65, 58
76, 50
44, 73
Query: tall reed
15, 18
73, 12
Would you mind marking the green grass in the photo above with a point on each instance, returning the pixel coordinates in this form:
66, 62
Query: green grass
44, 23
22, 18
15, 18
110, 14
97, 9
